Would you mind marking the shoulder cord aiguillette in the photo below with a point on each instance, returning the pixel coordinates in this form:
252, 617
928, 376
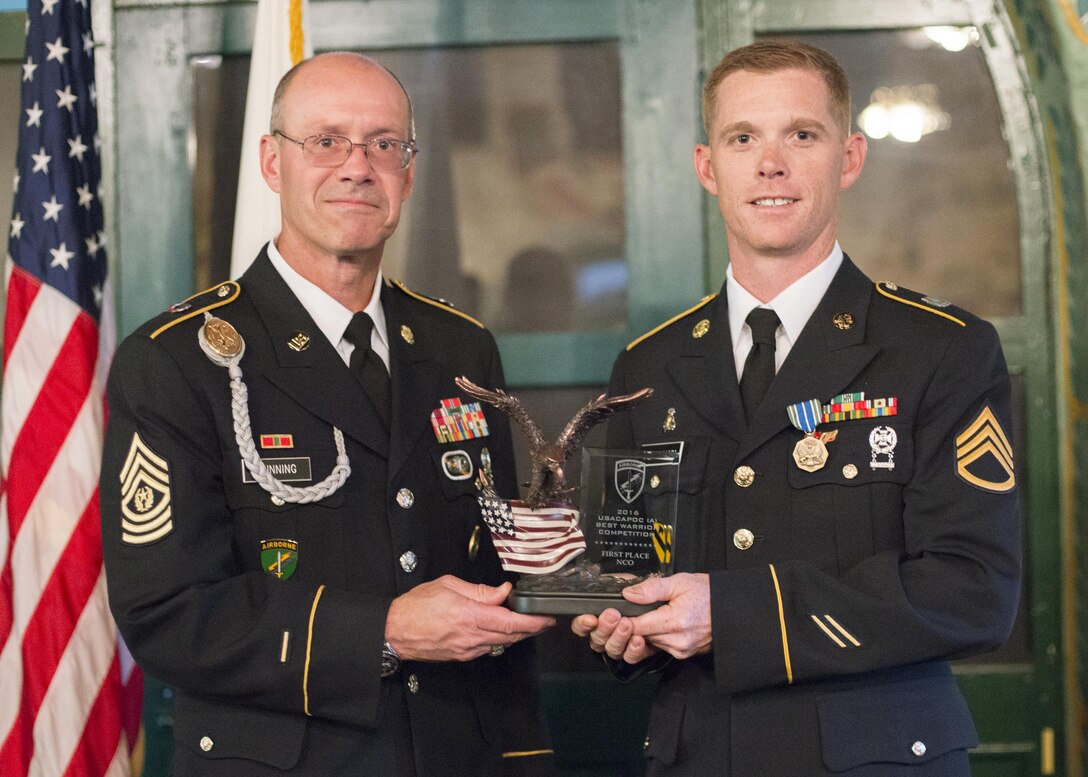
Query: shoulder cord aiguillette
224, 346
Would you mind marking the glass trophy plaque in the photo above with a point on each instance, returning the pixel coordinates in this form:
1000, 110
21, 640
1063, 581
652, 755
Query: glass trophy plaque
626, 523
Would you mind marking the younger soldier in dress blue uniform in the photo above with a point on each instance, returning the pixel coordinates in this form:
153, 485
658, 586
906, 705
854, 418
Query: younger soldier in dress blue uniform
291, 531
847, 509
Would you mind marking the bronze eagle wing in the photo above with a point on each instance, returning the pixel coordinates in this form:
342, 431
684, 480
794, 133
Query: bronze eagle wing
508, 404
592, 414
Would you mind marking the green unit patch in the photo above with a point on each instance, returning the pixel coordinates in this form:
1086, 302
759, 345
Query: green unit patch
279, 557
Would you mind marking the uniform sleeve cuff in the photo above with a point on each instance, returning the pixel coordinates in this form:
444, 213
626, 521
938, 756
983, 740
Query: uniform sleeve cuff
342, 675
751, 635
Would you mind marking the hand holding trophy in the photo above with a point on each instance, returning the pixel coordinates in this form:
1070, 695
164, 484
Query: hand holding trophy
577, 561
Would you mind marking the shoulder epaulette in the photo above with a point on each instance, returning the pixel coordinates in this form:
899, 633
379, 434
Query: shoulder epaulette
215, 297
921, 301
441, 304
671, 321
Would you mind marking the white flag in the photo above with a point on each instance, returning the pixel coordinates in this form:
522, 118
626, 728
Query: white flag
281, 39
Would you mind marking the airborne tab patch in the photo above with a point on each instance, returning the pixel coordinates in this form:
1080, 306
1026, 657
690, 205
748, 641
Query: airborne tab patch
145, 495
984, 455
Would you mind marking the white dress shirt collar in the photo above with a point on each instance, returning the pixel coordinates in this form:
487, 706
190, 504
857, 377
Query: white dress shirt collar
331, 317
794, 305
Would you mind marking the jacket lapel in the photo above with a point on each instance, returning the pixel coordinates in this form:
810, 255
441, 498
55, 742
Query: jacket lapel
704, 372
417, 379
315, 376
824, 359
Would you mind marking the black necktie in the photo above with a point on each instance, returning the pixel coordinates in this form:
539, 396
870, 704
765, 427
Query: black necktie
368, 366
759, 366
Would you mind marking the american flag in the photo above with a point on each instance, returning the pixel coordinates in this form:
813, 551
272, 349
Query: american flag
531, 541
65, 703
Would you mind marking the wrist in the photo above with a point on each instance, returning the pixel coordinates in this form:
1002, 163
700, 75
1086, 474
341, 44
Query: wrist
390, 661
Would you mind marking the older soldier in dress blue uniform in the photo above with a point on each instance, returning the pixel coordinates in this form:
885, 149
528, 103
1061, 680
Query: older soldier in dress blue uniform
848, 517
291, 531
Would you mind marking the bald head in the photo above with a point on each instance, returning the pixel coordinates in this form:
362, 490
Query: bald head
323, 61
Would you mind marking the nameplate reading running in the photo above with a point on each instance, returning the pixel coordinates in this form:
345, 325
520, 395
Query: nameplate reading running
285, 470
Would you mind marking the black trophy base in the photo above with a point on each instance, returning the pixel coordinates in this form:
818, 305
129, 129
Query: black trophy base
574, 603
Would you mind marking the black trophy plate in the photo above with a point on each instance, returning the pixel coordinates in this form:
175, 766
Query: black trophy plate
574, 603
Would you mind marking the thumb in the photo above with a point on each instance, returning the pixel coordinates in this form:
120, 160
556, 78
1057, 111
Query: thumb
486, 594
656, 589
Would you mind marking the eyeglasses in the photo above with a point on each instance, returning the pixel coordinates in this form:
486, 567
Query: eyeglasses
385, 154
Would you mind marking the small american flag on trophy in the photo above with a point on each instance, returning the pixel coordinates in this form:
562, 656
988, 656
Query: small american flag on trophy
531, 541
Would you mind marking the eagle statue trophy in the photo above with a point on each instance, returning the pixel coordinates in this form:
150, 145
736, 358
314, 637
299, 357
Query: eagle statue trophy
546, 484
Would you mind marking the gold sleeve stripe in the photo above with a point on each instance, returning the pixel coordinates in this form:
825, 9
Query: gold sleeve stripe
524, 753
918, 305
671, 321
309, 645
782, 624
436, 304
827, 631
842, 631
236, 290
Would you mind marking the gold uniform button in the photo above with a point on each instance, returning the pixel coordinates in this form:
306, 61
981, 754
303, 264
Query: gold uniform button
743, 539
918, 748
744, 476
405, 498
206, 744
413, 683
849, 472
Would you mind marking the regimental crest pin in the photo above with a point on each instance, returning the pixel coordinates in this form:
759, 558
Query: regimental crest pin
457, 465
145, 495
279, 557
630, 477
984, 456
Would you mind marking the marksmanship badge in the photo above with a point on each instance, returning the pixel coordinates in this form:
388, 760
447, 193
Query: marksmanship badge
882, 441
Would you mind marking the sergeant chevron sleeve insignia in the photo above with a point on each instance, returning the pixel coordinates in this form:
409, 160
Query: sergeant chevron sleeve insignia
984, 454
145, 495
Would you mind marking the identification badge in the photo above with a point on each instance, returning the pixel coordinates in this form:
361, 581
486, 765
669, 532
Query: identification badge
284, 470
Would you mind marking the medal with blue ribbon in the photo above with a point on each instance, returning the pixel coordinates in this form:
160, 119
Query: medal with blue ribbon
810, 453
